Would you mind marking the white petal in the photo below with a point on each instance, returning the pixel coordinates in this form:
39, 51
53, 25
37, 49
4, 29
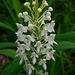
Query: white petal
32, 39
26, 19
27, 48
43, 22
29, 42
53, 51
38, 49
35, 45
42, 33
25, 58
53, 58
24, 29
21, 61
30, 71
37, 56
34, 60
32, 68
43, 51
48, 56
44, 66
21, 53
55, 43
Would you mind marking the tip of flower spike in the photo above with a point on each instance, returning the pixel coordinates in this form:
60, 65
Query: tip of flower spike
25, 13
39, 10
20, 15
26, 4
45, 3
50, 9
33, 3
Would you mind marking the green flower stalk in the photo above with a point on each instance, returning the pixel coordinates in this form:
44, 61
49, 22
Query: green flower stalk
36, 47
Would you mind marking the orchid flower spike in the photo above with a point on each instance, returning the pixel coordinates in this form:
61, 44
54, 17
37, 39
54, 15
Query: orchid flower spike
36, 39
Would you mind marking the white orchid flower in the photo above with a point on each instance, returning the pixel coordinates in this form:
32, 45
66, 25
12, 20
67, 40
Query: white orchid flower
43, 62
30, 39
21, 28
46, 51
23, 57
51, 54
30, 67
50, 39
34, 56
38, 45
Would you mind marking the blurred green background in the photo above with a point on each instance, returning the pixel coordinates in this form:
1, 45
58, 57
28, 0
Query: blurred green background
63, 14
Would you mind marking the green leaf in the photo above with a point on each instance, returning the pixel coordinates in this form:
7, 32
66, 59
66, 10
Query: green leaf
17, 7
13, 68
6, 26
71, 69
60, 56
70, 36
10, 11
7, 44
64, 45
8, 52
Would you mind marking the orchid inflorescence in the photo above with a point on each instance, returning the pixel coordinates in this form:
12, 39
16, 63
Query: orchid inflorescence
36, 47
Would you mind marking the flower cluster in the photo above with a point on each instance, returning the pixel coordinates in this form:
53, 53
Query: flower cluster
35, 41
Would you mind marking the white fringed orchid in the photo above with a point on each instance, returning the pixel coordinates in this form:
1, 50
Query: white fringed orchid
35, 40
51, 54
34, 56
43, 62
30, 67
38, 45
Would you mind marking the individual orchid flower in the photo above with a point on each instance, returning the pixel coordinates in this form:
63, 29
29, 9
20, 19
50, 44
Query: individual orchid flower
21, 28
50, 26
50, 39
44, 32
23, 57
34, 56
43, 62
46, 51
38, 45
30, 39
21, 37
30, 67
51, 54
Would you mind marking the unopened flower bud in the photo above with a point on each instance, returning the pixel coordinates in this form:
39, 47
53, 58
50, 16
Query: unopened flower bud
38, 43
20, 15
30, 26
39, 9
33, 2
50, 9
26, 4
48, 18
45, 3
48, 14
25, 13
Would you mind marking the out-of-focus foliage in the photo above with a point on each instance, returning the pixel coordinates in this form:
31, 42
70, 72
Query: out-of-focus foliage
63, 14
